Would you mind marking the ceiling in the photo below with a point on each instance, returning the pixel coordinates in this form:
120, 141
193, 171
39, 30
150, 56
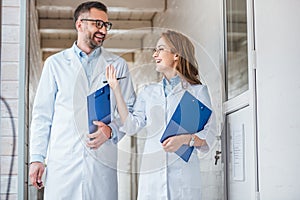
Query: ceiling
131, 19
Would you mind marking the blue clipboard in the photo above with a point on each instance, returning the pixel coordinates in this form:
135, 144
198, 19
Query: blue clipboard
99, 107
190, 116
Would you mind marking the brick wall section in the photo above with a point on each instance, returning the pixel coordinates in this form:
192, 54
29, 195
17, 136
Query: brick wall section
10, 66
10, 45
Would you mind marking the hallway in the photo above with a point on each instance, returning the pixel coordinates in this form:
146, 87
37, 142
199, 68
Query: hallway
243, 53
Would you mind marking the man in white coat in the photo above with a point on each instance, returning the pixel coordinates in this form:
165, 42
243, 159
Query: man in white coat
77, 167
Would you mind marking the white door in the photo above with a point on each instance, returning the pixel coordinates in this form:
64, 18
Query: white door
240, 109
240, 156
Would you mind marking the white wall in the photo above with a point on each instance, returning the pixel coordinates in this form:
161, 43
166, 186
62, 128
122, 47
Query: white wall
202, 21
278, 84
9, 85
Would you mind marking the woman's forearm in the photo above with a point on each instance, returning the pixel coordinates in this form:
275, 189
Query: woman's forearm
122, 107
110, 74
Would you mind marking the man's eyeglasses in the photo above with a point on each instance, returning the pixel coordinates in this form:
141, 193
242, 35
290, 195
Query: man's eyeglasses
99, 23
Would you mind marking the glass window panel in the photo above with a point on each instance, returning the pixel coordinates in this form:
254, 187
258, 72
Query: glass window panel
237, 45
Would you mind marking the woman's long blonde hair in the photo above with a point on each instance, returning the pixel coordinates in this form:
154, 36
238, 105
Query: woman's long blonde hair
183, 47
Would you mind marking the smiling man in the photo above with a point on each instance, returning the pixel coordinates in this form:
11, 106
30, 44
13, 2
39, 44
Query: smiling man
80, 165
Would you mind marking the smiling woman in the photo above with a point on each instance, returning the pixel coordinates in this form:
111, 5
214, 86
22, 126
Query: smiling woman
175, 60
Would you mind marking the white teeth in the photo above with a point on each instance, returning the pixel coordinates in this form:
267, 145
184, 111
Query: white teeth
100, 36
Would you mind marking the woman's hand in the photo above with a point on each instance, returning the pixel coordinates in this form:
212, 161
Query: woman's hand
111, 78
173, 143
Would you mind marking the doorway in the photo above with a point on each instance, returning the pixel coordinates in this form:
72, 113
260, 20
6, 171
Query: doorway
241, 180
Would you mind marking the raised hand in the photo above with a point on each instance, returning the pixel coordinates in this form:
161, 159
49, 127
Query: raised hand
111, 78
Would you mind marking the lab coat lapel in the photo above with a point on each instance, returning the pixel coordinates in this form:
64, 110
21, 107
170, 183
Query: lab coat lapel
81, 79
99, 72
78, 68
182, 86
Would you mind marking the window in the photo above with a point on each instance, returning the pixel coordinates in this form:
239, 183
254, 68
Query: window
236, 48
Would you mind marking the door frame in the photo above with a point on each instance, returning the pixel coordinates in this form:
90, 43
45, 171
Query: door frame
247, 98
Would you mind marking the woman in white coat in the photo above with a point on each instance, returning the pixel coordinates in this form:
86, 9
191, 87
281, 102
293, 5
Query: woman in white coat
163, 174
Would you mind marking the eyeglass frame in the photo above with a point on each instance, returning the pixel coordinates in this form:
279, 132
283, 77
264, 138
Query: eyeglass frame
158, 50
107, 25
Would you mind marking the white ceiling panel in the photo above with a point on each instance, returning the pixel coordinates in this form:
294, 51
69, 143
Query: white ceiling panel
131, 19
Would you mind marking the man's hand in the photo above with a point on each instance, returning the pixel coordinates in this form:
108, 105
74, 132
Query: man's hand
102, 134
36, 171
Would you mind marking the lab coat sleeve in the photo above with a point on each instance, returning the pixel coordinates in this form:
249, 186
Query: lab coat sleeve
208, 133
128, 95
42, 114
136, 118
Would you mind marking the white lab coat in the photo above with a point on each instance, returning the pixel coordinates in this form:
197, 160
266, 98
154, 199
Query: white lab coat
60, 124
164, 175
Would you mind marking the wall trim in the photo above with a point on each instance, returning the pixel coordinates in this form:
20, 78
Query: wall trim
21, 102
